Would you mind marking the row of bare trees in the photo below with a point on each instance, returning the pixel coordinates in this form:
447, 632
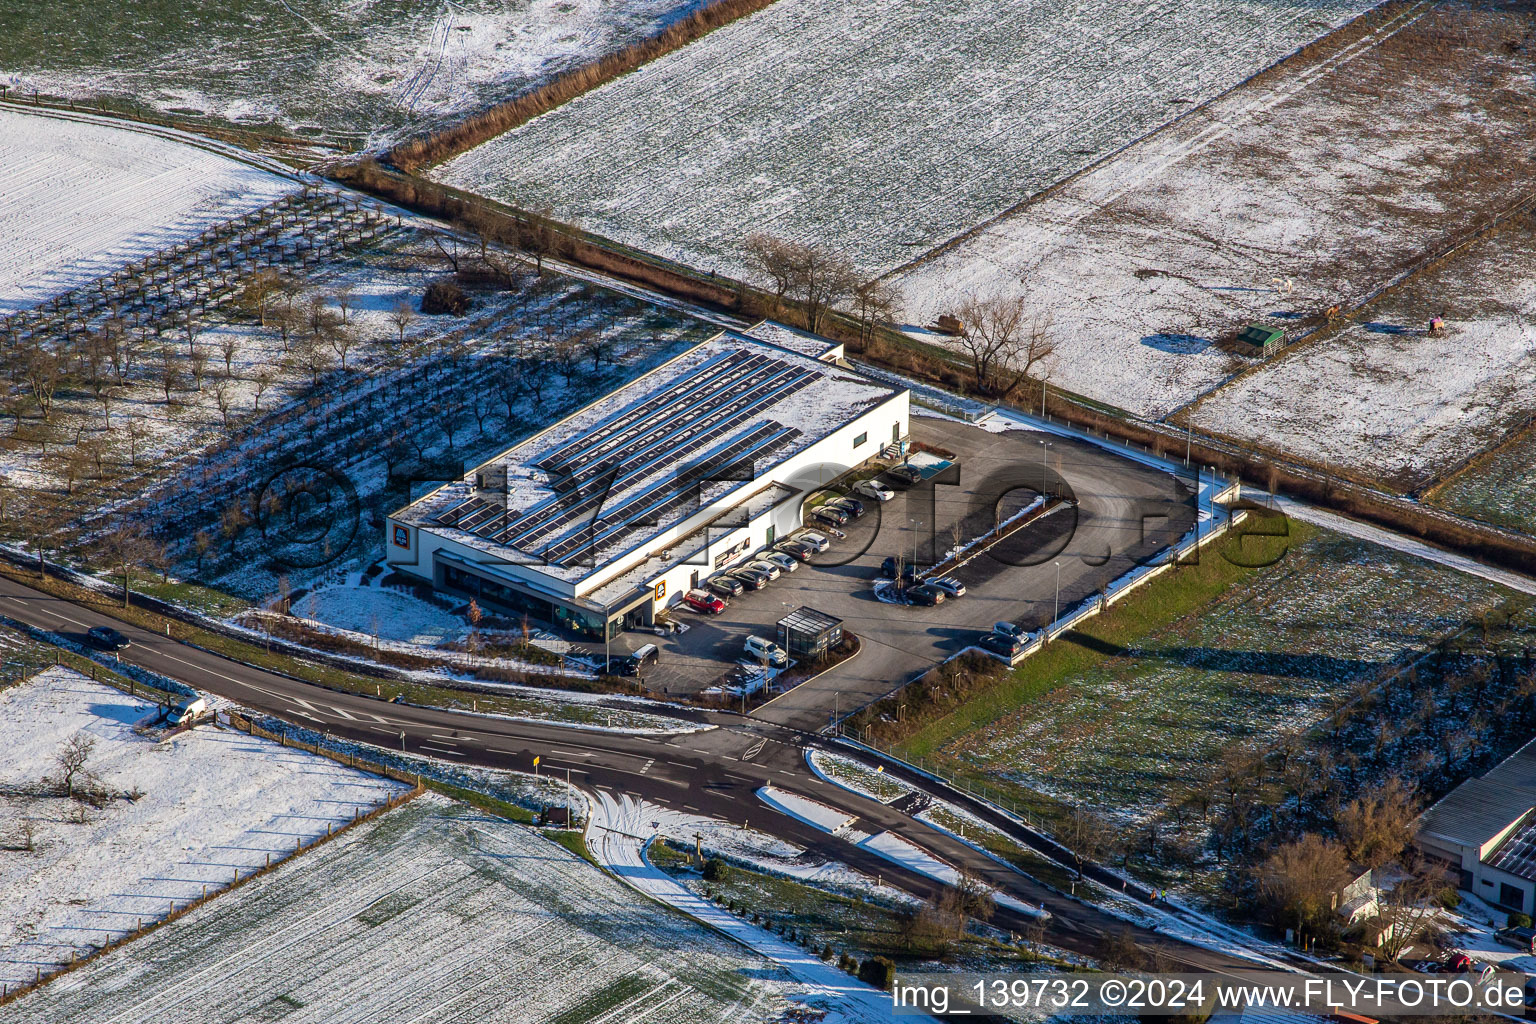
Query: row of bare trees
1002, 339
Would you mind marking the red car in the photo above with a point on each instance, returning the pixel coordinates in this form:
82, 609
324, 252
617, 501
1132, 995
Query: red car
704, 601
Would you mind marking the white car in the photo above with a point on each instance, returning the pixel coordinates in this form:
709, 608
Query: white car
783, 561
762, 650
950, 586
815, 541
874, 489
770, 569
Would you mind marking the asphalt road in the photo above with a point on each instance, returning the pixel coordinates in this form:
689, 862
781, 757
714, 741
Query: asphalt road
714, 772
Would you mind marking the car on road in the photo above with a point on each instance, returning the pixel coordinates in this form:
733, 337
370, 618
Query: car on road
951, 586
767, 568
853, 506
874, 489
105, 638
704, 601
752, 578
1006, 646
815, 541
904, 475
767, 651
725, 585
925, 594
795, 549
785, 562
830, 515
1010, 629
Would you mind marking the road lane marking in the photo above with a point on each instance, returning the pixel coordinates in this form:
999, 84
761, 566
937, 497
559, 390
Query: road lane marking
679, 764
439, 750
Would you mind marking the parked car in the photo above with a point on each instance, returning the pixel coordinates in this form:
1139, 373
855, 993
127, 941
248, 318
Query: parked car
1007, 646
726, 585
780, 559
904, 475
634, 663
795, 549
874, 489
888, 568
925, 594
1523, 939
187, 711
766, 567
759, 649
815, 541
830, 514
753, 579
950, 586
106, 638
853, 506
1010, 629
704, 601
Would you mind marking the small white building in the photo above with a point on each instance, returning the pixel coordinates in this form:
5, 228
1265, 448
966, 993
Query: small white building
1485, 831
608, 516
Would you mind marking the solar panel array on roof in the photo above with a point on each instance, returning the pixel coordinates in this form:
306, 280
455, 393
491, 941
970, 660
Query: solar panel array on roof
691, 419
1517, 854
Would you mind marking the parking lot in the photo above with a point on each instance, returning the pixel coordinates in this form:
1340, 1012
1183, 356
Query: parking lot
1123, 512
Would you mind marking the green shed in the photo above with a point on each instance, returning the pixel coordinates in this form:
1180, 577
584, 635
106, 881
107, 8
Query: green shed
1257, 340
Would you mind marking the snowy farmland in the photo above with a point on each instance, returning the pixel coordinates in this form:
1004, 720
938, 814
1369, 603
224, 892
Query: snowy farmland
209, 803
82, 199
432, 910
1387, 396
1311, 186
881, 129
358, 72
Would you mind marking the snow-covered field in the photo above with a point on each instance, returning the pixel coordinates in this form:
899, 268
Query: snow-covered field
377, 611
81, 199
881, 129
431, 911
1388, 397
1331, 173
213, 802
358, 71
618, 841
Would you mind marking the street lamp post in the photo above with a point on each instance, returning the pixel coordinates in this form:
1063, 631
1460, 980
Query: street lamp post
1045, 447
1057, 615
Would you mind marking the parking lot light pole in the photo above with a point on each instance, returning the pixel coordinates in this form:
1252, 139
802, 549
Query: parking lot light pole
1057, 615
1045, 447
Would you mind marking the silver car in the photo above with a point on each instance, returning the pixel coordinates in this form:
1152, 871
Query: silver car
768, 569
783, 561
950, 586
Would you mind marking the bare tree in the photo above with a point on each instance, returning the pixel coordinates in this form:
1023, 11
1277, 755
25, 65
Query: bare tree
873, 301
73, 761
122, 548
43, 372
776, 260
448, 247
257, 292
1411, 905
199, 362
345, 297
823, 279
1004, 345
540, 237
342, 338
224, 396
169, 374
229, 343
1376, 827
261, 382
1299, 879
190, 330
402, 316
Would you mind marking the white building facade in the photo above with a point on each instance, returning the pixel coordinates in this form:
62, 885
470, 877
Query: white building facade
610, 515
